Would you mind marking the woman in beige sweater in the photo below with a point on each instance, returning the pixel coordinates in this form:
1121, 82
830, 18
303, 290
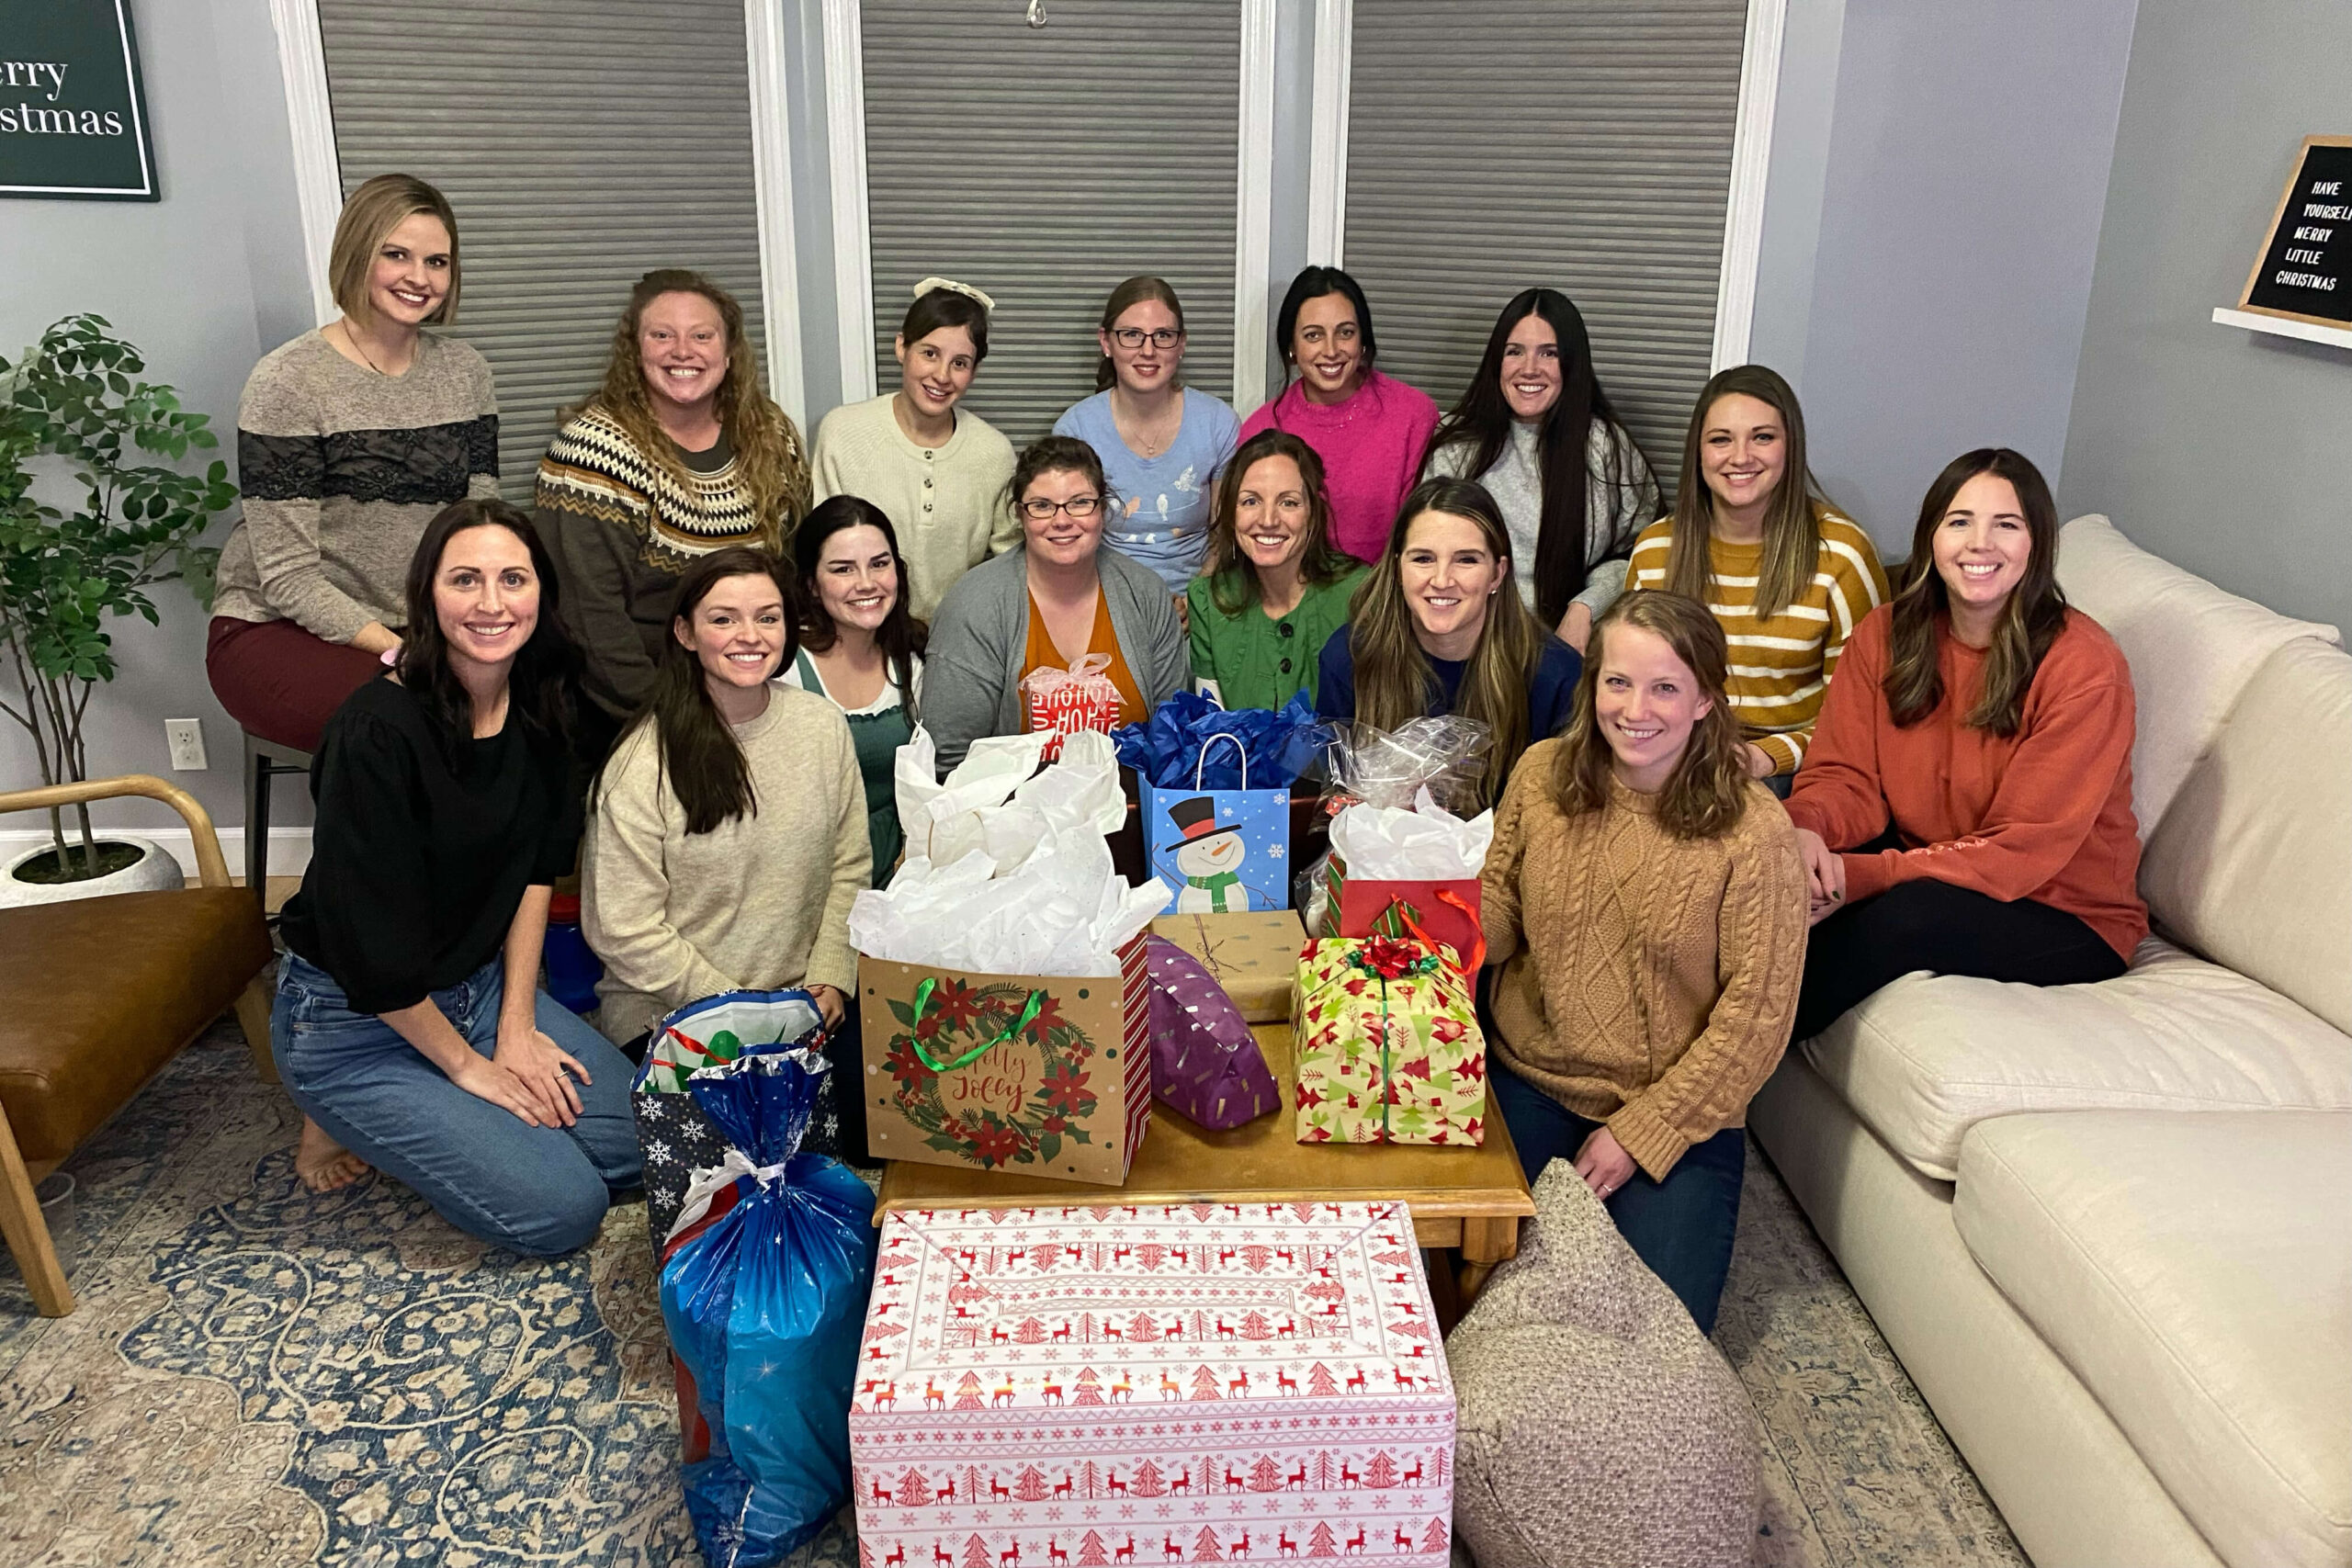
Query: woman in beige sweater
728, 836
1646, 906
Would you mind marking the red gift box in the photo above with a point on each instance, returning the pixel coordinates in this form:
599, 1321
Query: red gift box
1063, 702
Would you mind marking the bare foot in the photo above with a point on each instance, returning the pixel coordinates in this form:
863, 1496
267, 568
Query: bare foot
321, 1163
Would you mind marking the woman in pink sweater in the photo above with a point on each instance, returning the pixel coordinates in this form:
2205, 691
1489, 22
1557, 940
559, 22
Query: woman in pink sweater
1369, 429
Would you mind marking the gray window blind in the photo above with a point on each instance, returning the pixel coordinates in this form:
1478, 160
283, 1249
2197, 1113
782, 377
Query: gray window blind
1042, 166
1497, 145
583, 143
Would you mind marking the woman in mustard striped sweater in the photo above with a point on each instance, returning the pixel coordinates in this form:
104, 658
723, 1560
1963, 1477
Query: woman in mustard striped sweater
1753, 538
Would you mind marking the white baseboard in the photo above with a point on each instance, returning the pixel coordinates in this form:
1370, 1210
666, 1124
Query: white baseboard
290, 847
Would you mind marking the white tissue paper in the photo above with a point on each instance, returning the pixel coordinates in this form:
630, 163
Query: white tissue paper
1017, 886
1428, 843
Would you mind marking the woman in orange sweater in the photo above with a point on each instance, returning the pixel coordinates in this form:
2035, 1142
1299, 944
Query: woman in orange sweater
1967, 804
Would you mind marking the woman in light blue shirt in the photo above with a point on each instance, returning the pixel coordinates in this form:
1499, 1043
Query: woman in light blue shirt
1162, 444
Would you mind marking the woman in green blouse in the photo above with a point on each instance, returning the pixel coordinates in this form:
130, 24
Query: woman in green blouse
860, 649
1275, 588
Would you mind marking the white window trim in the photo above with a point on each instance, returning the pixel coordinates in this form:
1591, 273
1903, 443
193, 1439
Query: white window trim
1751, 160
772, 190
1253, 228
317, 169
1327, 173
852, 231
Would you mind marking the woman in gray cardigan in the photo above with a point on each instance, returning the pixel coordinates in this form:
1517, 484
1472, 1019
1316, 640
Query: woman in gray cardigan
1045, 605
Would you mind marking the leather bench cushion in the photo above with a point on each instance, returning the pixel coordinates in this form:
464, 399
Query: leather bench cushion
1929, 1056
2196, 1273
96, 994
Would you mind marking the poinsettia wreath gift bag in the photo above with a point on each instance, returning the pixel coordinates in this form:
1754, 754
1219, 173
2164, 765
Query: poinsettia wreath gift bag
1003, 996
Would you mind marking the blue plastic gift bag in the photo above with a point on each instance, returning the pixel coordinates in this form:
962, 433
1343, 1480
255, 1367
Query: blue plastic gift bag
764, 1292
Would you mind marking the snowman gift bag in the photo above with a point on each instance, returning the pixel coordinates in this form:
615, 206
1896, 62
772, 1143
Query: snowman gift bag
1219, 851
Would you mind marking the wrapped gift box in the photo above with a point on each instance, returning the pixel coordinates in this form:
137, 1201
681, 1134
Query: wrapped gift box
1254, 957
1204, 1383
1385, 1046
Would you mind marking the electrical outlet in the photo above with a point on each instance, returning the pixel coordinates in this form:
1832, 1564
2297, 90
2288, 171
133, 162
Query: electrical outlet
186, 737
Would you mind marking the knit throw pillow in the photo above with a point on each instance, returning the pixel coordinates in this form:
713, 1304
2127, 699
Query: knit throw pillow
1205, 1062
1597, 1426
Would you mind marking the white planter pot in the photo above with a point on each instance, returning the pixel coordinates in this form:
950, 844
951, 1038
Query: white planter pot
154, 871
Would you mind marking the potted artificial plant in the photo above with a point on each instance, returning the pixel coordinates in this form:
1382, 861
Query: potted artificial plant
72, 414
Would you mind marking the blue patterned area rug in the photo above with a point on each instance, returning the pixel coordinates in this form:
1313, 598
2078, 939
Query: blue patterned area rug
258, 1377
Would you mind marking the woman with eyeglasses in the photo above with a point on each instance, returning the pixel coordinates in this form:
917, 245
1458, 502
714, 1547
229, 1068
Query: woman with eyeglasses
1054, 600
1162, 444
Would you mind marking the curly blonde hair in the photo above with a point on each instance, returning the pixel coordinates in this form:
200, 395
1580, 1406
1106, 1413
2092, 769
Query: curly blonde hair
768, 452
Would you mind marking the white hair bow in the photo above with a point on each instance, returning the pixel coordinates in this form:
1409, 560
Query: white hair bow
966, 289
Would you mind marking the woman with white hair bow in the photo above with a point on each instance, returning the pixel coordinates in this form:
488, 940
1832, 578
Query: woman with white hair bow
937, 470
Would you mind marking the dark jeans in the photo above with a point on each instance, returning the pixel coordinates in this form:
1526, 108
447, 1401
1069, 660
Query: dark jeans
1681, 1227
1949, 930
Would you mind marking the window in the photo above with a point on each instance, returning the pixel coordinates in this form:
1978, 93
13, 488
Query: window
1042, 166
1582, 144
583, 143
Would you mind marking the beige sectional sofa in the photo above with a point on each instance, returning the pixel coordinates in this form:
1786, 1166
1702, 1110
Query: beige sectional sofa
2108, 1228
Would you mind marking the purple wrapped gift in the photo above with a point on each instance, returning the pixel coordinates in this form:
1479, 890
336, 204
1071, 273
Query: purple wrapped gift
1205, 1062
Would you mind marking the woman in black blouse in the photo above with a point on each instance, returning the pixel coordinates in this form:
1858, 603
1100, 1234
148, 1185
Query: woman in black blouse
409, 1026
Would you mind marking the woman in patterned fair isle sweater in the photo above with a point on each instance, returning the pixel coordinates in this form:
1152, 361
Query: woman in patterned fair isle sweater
1645, 902
680, 452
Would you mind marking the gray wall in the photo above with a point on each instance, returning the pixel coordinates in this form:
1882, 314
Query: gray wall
2221, 449
203, 282
1932, 218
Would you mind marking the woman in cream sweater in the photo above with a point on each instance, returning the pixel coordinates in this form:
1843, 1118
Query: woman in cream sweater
728, 835
1646, 903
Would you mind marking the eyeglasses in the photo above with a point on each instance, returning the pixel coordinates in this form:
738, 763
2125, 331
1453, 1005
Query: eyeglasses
1133, 337
1078, 506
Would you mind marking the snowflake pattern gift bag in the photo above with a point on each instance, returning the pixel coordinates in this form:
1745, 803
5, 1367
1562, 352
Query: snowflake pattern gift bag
1091, 1387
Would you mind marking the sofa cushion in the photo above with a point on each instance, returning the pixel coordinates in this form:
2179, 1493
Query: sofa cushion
2192, 648
1929, 1056
2253, 864
2196, 1273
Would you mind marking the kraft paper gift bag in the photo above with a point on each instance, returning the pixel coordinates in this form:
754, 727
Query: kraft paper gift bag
1220, 852
1044, 1075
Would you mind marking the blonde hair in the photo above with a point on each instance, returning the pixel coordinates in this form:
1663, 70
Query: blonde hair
369, 215
767, 446
1707, 793
1394, 681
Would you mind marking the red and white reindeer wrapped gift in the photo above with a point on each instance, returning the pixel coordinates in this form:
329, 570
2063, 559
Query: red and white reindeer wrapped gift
1064, 1388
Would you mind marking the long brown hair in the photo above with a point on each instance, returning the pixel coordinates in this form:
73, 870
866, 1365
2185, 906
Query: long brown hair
1708, 791
900, 637
1394, 679
1233, 577
1125, 298
1482, 421
540, 683
2029, 623
703, 761
767, 447
1792, 519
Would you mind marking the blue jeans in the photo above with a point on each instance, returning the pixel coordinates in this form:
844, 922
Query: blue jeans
540, 1191
1681, 1227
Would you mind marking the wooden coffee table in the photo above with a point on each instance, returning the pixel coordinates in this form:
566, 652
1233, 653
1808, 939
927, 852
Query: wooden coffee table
1470, 1200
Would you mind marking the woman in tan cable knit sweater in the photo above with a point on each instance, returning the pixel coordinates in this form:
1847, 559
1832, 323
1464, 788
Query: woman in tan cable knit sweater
1645, 904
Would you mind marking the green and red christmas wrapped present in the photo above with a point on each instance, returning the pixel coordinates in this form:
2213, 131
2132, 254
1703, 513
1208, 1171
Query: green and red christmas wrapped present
1387, 1045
